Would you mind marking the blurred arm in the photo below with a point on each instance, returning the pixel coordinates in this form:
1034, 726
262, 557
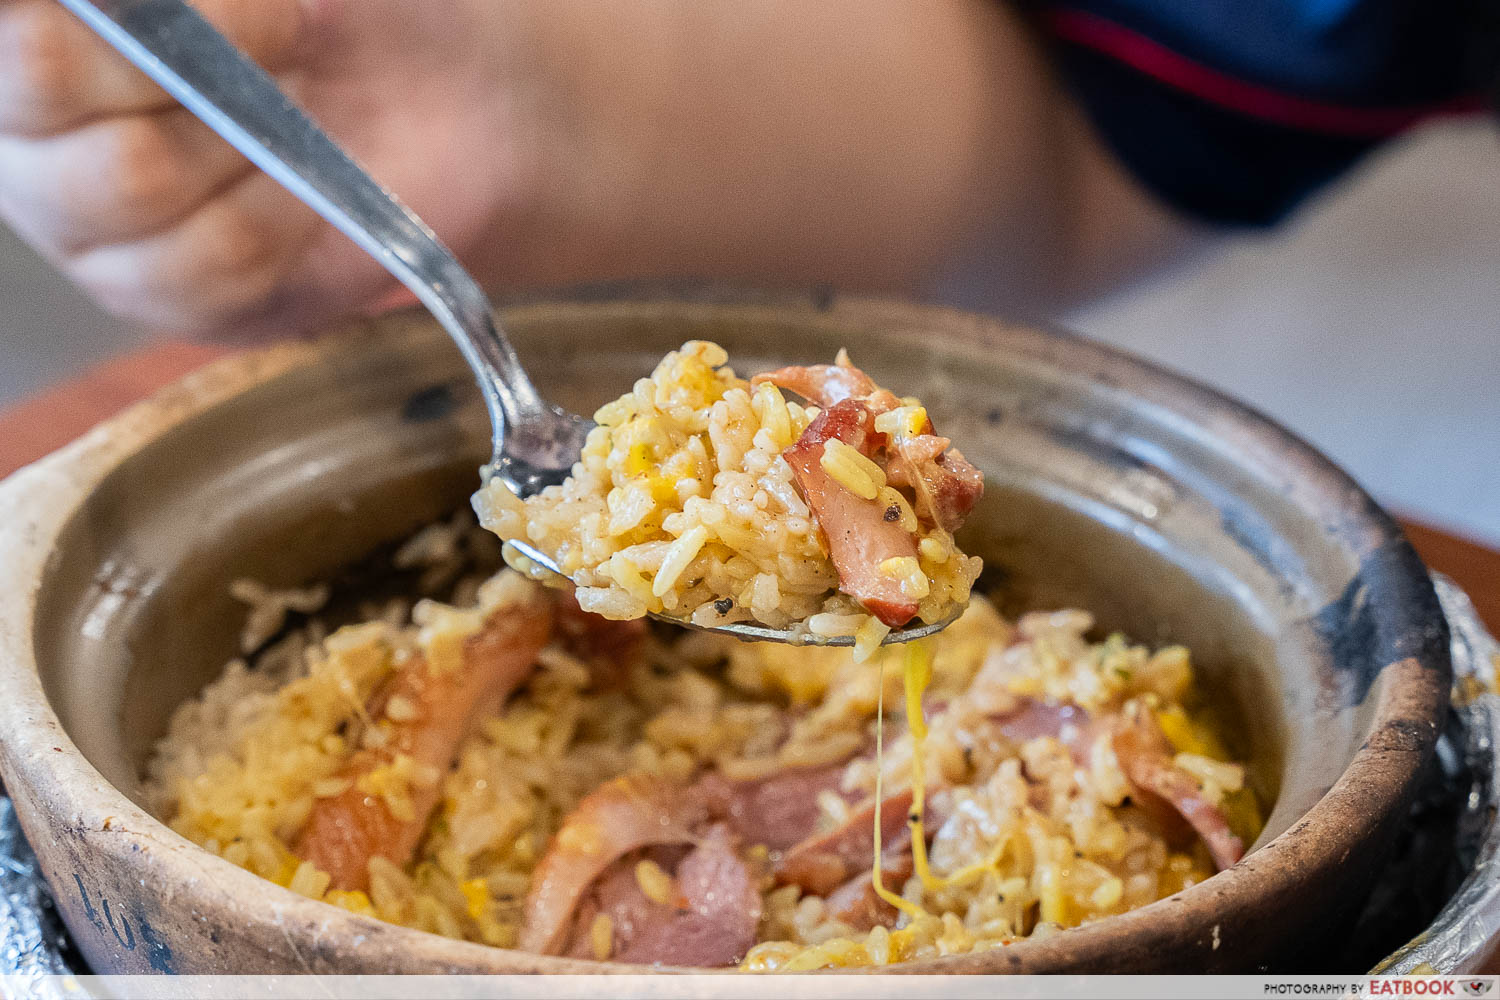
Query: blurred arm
875, 145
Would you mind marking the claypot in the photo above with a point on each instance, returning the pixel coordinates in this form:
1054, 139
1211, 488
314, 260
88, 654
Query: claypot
1170, 511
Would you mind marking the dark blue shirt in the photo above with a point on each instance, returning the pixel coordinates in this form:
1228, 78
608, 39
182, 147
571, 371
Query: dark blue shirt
1234, 111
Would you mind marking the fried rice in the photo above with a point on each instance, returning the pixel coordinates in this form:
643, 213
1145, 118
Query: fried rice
703, 496
1027, 778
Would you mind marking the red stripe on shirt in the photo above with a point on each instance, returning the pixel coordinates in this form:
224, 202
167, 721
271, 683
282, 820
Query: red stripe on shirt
1153, 59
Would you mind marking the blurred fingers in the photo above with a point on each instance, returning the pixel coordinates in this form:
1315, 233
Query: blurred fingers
56, 74
226, 261
113, 181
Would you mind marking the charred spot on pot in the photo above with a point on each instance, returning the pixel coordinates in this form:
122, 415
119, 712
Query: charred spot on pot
994, 416
158, 952
89, 913
1387, 613
119, 927
431, 403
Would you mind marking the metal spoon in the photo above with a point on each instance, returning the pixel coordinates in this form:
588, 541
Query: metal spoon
535, 443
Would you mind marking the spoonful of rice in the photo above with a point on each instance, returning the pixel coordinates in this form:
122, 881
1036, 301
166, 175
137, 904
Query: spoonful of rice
699, 498
722, 504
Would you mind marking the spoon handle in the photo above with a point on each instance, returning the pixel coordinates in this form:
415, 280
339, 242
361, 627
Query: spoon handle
173, 45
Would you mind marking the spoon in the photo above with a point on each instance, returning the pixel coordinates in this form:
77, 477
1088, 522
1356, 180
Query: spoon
535, 442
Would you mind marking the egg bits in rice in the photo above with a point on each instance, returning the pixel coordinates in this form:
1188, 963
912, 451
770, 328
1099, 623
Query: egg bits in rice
706, 497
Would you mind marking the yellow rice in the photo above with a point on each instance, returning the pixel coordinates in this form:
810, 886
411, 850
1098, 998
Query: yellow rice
1034, 843
682, 505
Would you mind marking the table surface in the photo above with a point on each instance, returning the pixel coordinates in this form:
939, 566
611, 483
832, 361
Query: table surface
47, 421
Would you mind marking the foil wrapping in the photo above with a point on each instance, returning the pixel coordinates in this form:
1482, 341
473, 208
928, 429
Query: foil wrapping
1461, 937
33, 944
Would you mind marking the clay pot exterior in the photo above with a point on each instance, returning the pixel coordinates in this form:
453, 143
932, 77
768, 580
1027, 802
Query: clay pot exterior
1171, 512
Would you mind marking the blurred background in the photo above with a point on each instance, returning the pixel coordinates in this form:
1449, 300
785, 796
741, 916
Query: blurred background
1370, 324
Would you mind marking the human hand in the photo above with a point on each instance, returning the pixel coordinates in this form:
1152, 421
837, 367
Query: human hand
162, 222
868, 144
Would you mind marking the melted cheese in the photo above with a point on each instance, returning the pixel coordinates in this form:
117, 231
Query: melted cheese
899, 902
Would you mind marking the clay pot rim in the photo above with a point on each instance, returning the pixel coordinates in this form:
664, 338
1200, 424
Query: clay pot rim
37, 501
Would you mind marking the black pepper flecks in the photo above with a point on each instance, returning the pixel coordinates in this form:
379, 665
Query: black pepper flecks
723, 605
892, 513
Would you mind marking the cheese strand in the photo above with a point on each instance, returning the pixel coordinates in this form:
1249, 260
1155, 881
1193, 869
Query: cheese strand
901, 903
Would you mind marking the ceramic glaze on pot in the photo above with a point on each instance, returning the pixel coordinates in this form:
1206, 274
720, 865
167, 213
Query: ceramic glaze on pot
1170, 512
